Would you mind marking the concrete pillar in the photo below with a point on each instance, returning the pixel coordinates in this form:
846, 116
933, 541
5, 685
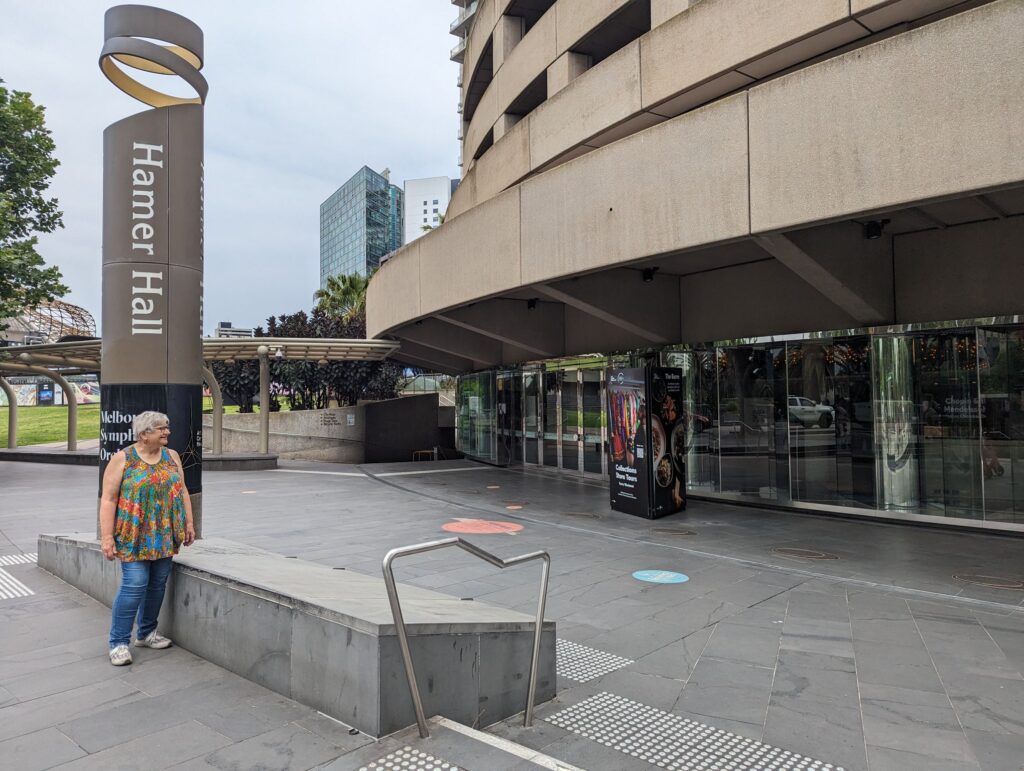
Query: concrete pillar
565, 69
72, 401
504, 123
12, 415
507, 34
218, 410
263, 352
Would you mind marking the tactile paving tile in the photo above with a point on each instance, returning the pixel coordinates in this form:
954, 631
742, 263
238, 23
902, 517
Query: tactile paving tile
11, 587
672, 741
18, 559
412, 759
580, 663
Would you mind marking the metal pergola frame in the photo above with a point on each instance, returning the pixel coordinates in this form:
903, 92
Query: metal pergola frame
56, 360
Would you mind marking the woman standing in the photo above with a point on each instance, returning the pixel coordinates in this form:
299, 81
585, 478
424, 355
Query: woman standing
145, 517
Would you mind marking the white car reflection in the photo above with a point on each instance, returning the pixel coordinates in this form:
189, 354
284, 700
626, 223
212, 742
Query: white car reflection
810, 413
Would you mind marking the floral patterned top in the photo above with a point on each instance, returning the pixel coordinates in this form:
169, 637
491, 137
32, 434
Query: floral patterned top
150, 519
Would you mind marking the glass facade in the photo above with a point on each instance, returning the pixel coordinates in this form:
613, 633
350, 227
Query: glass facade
359, 224
923, 421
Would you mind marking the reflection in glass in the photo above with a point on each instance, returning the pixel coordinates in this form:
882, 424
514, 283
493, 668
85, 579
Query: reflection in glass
531, 421
700, 414
948, 417
747, 420
550, 435
1001, 368
476, 428
570, 422
593, 421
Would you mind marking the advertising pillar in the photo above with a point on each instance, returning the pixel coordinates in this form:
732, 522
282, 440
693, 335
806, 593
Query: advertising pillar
647, 441
153, 239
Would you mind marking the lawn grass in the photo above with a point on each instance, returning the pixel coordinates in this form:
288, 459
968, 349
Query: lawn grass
37, 425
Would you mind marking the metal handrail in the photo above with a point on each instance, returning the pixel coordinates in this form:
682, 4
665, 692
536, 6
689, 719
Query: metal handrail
476, 551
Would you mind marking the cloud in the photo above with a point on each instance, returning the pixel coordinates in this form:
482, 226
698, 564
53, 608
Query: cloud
302, 94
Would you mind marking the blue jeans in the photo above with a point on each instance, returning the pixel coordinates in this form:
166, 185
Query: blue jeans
140, 598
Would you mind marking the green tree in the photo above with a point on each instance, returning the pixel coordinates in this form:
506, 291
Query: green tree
343, 296
26, 167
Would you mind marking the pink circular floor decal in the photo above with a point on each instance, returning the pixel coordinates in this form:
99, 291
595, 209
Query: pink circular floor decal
481, 527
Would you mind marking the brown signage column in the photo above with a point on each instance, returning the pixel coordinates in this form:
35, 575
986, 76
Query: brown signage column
153, 239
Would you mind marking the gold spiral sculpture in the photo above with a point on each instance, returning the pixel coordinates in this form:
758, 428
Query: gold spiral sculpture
129, 31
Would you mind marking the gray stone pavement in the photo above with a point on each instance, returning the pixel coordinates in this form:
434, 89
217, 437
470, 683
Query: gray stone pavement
876, 658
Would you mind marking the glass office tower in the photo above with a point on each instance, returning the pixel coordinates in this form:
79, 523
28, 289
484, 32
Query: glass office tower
918, 421
359, 224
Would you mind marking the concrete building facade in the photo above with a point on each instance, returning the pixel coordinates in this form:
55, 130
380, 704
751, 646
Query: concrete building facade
813, 207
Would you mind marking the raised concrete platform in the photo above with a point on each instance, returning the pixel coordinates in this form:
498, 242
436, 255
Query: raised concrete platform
325, 638
90, 457
63, 457
239, 462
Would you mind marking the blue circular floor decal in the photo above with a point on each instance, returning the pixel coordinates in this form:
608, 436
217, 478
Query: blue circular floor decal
660, 577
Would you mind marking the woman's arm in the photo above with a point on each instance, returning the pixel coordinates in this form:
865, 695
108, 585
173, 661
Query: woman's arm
190, 530
108, 502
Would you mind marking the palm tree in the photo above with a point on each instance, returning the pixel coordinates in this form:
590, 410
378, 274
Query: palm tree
428, 228
343, 296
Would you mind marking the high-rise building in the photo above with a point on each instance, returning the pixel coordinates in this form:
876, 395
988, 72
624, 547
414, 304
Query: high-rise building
426, 201
359, 224
460, 28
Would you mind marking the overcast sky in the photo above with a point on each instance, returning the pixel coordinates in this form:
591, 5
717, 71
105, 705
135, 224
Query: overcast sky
302, 94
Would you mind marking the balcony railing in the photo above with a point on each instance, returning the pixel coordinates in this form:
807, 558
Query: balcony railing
465, 14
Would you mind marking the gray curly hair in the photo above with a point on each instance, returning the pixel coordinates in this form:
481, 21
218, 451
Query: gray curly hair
147, 421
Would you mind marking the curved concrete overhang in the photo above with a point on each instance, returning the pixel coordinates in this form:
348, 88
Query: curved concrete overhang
751, 210
696, 56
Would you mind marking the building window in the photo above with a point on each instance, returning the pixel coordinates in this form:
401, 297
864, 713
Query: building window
424, 219
435, 211
424, 203
435, 202
435, 219
424, 211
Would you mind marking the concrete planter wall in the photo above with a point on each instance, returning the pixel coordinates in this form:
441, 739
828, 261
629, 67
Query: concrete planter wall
325, 637
336, 434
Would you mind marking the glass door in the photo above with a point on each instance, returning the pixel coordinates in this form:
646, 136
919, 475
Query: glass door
593, 421
550, 420
569, 420
531, 418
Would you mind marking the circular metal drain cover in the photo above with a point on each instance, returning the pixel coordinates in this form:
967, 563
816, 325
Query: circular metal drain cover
582, 514
992, 582
795, 553
681, 533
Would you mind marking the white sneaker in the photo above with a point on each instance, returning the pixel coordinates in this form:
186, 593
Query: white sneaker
153, 640
120, 655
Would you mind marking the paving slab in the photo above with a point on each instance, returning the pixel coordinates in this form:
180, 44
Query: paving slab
868, 648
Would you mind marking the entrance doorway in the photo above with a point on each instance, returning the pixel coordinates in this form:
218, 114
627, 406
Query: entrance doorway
562, 421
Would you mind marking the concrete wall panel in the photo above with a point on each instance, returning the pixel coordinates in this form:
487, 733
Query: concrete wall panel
394, 293
474, 255
528, 59
761, 298
819, 150
464, 197
505, 163
712, 37
598, 98
971, 271
578, 17
678, 184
